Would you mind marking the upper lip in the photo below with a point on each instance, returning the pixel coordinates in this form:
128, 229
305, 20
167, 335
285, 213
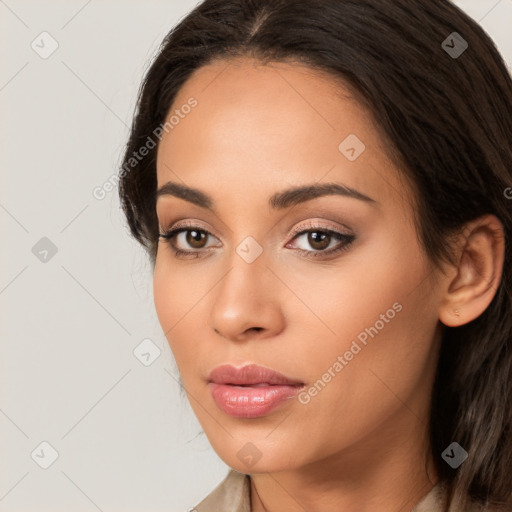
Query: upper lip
249, 375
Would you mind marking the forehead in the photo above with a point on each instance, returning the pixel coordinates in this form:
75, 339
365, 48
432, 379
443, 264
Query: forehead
259, 125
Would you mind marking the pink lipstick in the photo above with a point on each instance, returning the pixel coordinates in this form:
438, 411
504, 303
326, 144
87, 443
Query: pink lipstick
251, 391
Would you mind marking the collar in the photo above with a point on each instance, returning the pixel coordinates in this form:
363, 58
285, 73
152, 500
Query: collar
233, 494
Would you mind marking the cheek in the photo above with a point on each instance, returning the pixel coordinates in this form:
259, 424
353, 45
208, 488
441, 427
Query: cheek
175, 299
163, 295
377, 278
381, 319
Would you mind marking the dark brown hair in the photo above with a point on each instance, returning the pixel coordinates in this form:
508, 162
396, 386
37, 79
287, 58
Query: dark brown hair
448, 118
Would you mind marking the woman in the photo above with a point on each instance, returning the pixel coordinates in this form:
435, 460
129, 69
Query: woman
323, 188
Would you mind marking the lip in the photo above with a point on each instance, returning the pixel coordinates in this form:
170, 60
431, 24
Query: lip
251, 391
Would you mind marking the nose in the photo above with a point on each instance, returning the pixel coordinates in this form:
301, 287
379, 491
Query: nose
247, 304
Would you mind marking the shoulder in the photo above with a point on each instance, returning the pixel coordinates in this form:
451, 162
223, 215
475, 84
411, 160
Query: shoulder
231, 495
435, 501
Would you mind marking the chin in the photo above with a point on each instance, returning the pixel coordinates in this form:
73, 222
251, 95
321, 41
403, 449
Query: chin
250, 457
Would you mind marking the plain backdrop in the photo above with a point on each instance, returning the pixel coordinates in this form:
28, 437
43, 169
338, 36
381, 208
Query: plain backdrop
85, 424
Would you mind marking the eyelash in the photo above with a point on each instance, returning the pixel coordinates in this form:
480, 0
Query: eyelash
346, 240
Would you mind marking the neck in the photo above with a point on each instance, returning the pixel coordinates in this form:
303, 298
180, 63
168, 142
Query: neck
390, 470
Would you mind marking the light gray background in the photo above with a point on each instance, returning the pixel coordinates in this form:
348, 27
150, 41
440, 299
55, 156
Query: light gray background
69, 326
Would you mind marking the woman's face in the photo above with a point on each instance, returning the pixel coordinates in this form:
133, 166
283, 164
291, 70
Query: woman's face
348, 312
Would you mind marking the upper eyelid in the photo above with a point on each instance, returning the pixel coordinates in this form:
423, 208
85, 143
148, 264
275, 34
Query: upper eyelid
186, 225
320, 226
192, 225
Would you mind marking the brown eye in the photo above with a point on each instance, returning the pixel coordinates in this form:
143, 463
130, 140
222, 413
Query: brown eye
319, 240
188, 241
195, 238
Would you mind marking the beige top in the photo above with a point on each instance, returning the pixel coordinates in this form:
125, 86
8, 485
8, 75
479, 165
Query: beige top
233, 495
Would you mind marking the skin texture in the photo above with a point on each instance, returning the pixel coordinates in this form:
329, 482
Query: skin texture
256, 130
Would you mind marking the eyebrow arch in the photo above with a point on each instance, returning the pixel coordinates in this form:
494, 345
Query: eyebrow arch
278, 201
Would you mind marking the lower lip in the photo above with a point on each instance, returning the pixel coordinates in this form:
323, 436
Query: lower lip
251, 401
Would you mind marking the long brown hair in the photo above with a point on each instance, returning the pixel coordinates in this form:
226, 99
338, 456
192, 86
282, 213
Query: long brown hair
444, 102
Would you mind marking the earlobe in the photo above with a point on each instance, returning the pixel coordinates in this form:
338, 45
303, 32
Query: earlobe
472, 284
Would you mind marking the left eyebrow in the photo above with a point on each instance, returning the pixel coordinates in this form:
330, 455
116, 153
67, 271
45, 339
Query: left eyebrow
297, 195
278, 201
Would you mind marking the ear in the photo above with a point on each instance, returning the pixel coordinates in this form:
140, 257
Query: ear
472, 283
